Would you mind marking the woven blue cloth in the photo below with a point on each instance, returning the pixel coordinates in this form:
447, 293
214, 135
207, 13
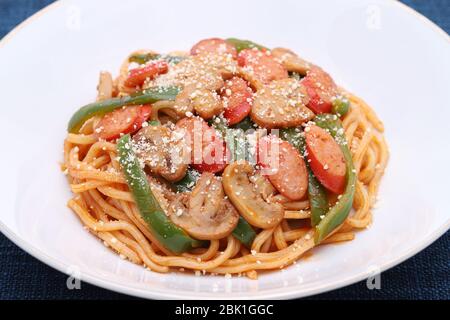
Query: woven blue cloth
425, 276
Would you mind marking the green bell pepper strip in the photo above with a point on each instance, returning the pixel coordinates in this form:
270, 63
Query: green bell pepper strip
339, 212
318, 199
154, 123
142, 58
220, 124
145, 96
240, 44
340, 106
188, 182
245, 124
244, 232
168, 234
234, 137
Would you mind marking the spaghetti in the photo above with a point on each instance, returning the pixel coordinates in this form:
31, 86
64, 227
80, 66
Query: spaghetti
106, 205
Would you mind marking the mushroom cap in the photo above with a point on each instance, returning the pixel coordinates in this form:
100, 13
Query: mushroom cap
248, 191
204, 213
291, 61
162, 151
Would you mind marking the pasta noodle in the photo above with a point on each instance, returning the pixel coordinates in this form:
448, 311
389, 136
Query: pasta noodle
106, 207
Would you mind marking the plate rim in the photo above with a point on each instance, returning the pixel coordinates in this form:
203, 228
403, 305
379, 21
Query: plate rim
122, 288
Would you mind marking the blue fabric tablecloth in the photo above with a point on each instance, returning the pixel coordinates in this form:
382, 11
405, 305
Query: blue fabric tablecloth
425, 276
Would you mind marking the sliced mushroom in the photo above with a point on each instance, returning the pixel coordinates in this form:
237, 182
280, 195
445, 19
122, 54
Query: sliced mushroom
281, 104
249, 192
291, 61
205, 102
251, 78
163, 151
183, 104
222, 63
105, 86
204, 213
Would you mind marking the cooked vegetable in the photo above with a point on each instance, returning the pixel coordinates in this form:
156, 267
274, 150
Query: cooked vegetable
236, 139
142, 58
121, 121
325, 158
137, 76
244, 232
318, 199
295, 75
291, 61
321, 90
281, 104
339, 212
261, 65
146, 96
214, 45
154, 123
240, 44
163, 151
286, 168
238, 98
204, 213
245, 124
188, 182
208, 150
168, 234
105, 86
340, 106
204, 101
249, 192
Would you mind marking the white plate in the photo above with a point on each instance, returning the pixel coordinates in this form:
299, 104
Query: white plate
386, 53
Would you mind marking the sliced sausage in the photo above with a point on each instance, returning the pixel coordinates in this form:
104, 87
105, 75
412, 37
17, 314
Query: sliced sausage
237, 97
214, 45
325, 158
281, 104
207, 148
321, 90
284, 166
262, 65
124, 120
137, 76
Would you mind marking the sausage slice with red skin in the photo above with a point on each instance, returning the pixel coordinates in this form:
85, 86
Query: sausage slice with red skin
325, 159
281, 104
238, 98
214, 45
137, 76
262, 65
204, 143
124, 120
285, 166
321, 90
